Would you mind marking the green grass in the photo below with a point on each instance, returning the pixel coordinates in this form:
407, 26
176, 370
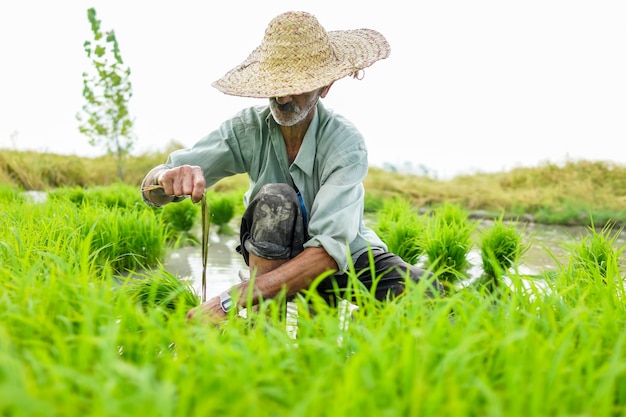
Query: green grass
77, 339
71, 347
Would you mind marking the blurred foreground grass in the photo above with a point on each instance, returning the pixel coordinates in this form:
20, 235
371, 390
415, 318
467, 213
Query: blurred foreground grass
85, 330
573, 193
77, 339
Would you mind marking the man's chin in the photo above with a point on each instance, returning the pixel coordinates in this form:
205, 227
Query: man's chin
283, 121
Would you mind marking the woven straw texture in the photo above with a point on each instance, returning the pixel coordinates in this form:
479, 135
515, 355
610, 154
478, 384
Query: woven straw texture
298, 56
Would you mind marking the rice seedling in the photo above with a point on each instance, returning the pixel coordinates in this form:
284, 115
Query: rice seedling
76, 195
596, 253
400, 227
501, 247
159, 289
222, 211
117, 195
179, 219
181, 216
124, 240
76, 341
448, 241
119, 240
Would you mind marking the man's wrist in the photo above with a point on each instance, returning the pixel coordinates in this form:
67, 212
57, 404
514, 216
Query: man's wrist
226, 302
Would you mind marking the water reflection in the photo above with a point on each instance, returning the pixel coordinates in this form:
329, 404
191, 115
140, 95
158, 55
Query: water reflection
550, 245
223, 264
548, 249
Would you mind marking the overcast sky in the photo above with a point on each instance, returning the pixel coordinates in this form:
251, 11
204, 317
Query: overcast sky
469, 85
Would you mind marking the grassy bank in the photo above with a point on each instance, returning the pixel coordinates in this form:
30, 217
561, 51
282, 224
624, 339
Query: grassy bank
570, 194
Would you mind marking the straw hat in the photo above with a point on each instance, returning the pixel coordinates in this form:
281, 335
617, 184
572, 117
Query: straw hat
298, 56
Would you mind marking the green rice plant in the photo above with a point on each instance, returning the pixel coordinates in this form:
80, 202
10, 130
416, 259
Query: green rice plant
76, 195
448, 241
116, 195
596, 253
9, 193
501, 247
179, 219
125, 240
400, 227
32, 230
76, 341
222, 211
119, 240
73, 347
159, 289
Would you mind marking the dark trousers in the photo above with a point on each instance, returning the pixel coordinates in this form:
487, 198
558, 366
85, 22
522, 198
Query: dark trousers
273, 227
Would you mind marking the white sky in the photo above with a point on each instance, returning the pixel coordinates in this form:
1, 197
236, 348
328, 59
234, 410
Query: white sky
469, 86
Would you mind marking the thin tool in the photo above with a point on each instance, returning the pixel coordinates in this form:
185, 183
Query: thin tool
206, 225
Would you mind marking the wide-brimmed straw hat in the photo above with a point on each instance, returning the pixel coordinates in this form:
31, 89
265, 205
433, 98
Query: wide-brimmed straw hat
298, 56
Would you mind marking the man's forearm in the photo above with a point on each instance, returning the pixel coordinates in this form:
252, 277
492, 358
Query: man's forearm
293, 276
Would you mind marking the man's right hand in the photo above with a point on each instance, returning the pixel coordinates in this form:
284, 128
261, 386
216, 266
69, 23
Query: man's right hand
183, 180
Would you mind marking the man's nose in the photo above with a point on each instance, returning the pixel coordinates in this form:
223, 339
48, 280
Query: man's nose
284, 99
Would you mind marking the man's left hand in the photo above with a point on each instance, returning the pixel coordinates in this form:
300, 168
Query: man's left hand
209, 312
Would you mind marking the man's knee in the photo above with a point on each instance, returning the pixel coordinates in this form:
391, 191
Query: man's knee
272, 223
417, 274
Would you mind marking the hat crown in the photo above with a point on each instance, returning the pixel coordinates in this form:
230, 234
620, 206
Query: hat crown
294, 41
298, 55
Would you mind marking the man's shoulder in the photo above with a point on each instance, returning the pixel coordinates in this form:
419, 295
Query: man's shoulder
331, 122
253, 114
244, 121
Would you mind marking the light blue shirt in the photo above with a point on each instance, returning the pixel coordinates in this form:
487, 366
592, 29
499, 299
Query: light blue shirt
328, 170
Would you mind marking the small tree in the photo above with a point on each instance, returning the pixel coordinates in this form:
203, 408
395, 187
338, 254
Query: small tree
105, 118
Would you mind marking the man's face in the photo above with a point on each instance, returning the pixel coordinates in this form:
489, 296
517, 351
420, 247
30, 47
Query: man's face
291, 110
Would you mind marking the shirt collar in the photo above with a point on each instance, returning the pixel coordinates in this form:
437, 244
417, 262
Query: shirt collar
308, 150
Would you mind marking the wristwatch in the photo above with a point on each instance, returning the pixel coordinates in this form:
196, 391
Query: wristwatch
226, 301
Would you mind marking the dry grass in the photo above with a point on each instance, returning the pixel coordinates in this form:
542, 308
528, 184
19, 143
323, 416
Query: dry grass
572, 193
567, 194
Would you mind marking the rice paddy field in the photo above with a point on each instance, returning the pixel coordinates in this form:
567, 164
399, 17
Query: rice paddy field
91, 324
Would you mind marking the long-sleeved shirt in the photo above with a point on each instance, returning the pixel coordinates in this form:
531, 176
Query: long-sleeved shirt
328, 171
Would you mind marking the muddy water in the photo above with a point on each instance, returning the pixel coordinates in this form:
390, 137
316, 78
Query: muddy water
223, 264
548, 247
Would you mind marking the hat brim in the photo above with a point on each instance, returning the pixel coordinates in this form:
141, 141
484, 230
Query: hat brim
353, 50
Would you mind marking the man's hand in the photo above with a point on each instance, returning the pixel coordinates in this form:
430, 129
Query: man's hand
183, 180
209, 312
